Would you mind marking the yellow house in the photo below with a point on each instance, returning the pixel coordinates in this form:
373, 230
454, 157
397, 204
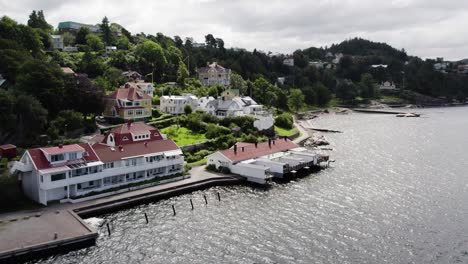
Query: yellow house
128, 103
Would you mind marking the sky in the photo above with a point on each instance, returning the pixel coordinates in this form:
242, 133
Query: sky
425, 28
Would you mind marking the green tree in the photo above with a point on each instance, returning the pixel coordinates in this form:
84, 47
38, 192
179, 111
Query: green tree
92, 64
237, 82
68, 120
346, 91
150, 56
37, 20
106, 31
182, 74
94, 42
68, 39
123, 43
296, 100
210, 41
81, 35
31, 118
367, 86
187, 109
284, 120
322, 93
44, 81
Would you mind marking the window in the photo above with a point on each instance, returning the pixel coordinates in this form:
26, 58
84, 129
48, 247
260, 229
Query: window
72, 156
57, 157
137, 103
78, 186
138, 112
108, 165
58, 177
128, 104
125, 138
130, 112
91, 183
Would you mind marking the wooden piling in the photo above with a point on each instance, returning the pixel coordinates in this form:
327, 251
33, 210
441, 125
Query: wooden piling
206, 201
191, 203
173, 209
108, 229
219, 197
146, 217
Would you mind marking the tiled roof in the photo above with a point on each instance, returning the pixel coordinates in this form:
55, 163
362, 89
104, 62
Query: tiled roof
109, 154
63, 149
67, 70
129, 94
132, 127
7, 146
218, 68
41, 162
262, 149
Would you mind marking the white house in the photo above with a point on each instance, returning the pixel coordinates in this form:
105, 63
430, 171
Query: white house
259, 162
230, 104
110, 49
130, 153
203, 103
387, 86
289, 61
70, 49
214, 74
175, 104
57, 42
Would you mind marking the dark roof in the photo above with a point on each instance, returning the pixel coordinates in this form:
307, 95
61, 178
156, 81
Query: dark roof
7, 146
129, 94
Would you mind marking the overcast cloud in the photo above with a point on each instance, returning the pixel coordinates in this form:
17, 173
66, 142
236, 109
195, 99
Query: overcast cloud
426, 28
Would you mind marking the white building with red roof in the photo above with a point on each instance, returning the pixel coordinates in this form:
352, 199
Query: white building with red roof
259, 162
130, 153
132, 101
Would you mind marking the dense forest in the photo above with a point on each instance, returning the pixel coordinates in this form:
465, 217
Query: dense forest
38, 100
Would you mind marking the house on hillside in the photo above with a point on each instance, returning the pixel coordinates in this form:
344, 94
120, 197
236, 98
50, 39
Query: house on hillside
57, 42
203, 103
387, 86
128, 103
230, 104
132, 76
73, 27
175, 104
130, 153
145, 87
110, 50
214, 74
259, 162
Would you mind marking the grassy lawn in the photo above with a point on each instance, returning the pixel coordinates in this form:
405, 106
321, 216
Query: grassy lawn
182, 135
197, 163
285, 132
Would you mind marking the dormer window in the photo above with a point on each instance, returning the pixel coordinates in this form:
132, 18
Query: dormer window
58, 157
125, 138
72, 156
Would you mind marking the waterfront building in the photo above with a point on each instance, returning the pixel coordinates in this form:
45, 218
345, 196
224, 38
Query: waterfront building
130, 102
130, 153
175, 104
214, 74
259, 162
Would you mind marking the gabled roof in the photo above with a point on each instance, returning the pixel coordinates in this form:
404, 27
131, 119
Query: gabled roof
63, 149
40, 161
214, 66
262, 149
109, 154
7, 146
132, 127
129, 94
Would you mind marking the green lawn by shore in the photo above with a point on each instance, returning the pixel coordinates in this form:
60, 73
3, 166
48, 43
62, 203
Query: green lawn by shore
199, 162
182, 135
285, 132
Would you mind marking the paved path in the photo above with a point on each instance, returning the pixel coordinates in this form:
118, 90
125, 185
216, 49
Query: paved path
304, 133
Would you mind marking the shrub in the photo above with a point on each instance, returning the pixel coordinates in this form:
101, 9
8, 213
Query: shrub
214, 131
211, 167
224, 170
284, 120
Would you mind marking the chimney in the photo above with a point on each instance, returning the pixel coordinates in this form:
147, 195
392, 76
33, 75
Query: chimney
235, 148
269, 142
242, 149
120, 148
129, 123
256, 144
146, 143
60, 145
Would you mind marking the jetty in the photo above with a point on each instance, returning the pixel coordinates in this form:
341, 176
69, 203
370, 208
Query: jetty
58, 228
377, 111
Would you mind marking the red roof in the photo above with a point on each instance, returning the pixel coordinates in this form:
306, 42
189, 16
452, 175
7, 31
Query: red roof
7, 146
63, 149
41, 162
123, 134
262, 149
108, 154
129, 94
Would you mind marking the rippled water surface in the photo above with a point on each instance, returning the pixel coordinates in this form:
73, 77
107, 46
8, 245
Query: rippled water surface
398, 193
